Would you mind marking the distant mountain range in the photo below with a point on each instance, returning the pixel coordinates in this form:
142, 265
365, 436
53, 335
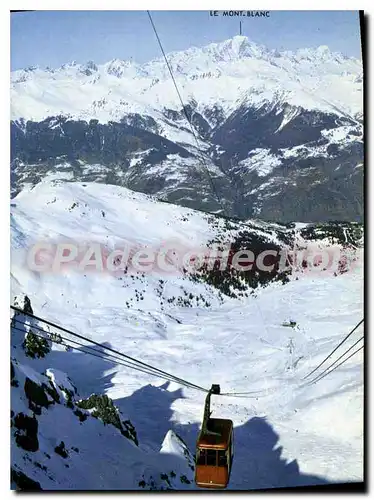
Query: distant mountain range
280, 133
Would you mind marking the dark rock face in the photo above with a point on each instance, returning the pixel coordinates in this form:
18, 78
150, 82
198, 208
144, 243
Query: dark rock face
91, 142
275, 162
249, 128
23, 482
27, 432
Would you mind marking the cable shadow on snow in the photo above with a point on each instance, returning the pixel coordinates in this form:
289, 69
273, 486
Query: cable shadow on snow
257, 458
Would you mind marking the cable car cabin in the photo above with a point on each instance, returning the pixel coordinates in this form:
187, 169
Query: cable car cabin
214, 449
214, 455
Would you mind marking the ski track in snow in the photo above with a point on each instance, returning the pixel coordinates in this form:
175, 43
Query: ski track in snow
288, 433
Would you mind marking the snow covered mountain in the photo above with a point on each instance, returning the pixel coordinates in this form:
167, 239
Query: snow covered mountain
270, 126
138, 432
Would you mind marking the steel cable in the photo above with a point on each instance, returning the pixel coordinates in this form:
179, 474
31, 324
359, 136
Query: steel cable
318, 377
342, 362
337, 347
219, 201
107, 357
114, 351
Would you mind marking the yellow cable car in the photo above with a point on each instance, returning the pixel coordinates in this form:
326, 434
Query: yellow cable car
214, 449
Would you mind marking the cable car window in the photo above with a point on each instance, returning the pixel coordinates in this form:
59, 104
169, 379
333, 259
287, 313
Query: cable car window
201, 457
222, 458
211, 458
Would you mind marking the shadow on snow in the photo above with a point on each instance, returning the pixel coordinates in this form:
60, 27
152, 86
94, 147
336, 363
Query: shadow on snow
257, 459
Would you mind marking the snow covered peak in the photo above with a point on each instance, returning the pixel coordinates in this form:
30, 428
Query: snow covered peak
117, 67
239, 40
319, 55
72, 64
313, 78
123, 69
31, 68
89, 68
233, 49
323, 49
242, 47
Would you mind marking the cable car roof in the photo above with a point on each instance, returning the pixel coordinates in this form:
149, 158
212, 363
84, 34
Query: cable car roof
212, 441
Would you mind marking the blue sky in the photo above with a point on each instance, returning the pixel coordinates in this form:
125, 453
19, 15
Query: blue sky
51, 38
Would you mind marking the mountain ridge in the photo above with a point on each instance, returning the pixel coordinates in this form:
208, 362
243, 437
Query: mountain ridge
238, 40
260, 124
194, 64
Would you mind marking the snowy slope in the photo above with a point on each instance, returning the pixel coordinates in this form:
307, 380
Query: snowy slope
223, 74
286, 434
70, 449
